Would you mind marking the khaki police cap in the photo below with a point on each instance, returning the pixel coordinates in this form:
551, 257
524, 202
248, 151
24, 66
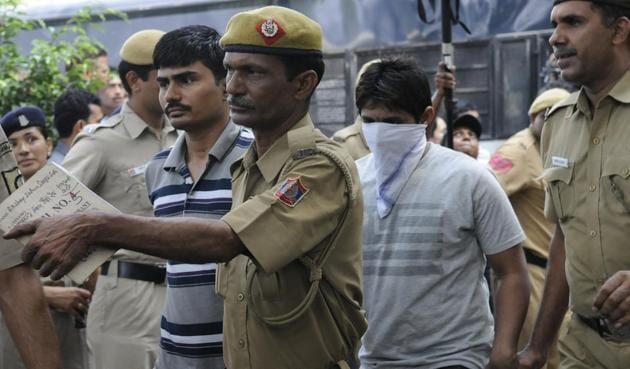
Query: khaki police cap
138, 49
620, 3
273, 30
22, 118
547, 99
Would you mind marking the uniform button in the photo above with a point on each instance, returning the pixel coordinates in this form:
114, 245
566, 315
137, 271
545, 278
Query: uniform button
241, 343
240, 297
592, 188
596, 141
626, 172
593, 233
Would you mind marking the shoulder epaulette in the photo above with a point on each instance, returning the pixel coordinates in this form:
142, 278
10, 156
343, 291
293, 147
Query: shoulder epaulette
344, 133
108, 123
302, 142
568, 101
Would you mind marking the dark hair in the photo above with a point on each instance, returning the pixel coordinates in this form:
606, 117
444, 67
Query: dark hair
187, 45
296, 64
610, 13
100, 51
399, 84
73, 105
141, 70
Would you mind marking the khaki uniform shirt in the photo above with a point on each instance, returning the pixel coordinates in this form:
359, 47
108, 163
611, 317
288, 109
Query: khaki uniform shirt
287, 204
518, 166
110, 158
351, 138
586, 156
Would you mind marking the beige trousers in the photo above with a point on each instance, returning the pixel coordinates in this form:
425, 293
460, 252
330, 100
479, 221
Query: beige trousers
582, 348
73, 346
123, 326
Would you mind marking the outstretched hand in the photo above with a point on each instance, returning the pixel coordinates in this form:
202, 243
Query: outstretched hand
57, 245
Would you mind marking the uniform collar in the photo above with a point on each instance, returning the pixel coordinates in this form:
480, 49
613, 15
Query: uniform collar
135, 125
274, 159
176, 159
620, 92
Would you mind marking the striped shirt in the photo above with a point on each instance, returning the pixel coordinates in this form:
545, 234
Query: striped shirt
192, 324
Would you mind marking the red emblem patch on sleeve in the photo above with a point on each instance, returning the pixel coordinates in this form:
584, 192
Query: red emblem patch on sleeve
500, 164
291, 191
270, 31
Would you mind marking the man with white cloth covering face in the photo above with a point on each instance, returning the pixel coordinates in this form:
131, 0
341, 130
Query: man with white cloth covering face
432, 217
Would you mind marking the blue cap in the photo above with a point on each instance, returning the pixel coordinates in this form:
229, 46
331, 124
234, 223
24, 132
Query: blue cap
24, 117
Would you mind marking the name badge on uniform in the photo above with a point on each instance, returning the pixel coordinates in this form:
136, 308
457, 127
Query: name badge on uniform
136, 171
557, 161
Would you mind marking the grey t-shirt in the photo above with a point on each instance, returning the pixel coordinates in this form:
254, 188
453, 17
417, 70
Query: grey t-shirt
425, 295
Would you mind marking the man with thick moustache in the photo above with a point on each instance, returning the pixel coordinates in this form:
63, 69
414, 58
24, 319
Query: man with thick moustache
586, 160
192, 178
123, 325
291, 244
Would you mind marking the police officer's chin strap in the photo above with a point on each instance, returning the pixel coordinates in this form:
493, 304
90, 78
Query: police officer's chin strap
314, 266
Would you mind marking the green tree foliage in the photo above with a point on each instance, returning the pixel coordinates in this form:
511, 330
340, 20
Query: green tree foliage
63, 58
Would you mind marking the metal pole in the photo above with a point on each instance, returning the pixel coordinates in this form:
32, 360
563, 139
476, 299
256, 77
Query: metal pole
447, 58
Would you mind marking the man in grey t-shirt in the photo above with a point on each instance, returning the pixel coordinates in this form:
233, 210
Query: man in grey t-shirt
432, 217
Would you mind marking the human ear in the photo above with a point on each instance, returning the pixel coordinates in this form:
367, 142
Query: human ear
305, 82
49, 144
428, 115
622, 31
132, 80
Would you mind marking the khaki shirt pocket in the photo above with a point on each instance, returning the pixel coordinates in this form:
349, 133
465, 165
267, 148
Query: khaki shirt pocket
615, 182
267, 287
280, 292
560, 203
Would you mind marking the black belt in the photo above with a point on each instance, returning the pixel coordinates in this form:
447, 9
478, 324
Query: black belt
534, 259
603, 329
141, 272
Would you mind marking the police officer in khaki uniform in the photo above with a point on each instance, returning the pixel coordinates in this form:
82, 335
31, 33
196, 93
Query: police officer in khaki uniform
291, 243
123, 326
294, 297
586, 160
31, 146
518, 166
